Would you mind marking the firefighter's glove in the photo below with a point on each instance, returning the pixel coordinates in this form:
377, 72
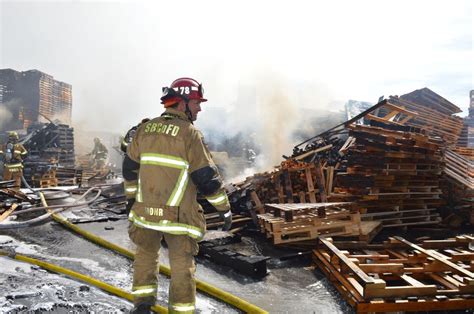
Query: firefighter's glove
227, 217
129, 205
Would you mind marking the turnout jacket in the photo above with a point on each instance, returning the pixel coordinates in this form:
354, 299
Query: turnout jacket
13, 157
174, 163
99, 151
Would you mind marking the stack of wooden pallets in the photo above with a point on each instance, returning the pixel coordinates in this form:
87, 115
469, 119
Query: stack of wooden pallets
393, 174
401, 275
434, 114
290, 223
387, 159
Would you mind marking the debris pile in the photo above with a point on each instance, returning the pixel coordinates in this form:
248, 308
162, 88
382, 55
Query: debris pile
51, 156
392, 171
390, 160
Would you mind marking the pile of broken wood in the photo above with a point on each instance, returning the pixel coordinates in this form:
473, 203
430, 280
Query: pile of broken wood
50, 146
389, 161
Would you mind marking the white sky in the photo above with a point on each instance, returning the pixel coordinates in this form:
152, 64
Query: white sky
118, 54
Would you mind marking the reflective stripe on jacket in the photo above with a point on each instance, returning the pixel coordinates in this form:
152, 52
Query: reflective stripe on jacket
169, 148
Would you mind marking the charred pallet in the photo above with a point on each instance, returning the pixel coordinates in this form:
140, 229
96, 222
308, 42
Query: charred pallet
216, 251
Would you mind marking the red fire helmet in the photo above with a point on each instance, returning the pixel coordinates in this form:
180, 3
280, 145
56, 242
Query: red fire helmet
183, 88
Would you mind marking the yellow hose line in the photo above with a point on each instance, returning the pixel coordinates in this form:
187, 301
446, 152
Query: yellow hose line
200, 285
92, 281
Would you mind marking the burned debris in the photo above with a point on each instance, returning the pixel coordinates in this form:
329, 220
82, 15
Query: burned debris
384, 160
51, 160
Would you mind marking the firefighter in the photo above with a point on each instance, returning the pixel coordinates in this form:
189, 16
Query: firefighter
174, 164
130, 184
99, 154
13, 155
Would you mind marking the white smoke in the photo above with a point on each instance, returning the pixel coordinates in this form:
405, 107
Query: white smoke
277, 117
5, 116
273, 113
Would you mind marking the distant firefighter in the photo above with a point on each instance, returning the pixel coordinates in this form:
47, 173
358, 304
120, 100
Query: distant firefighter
99, 154
13, 154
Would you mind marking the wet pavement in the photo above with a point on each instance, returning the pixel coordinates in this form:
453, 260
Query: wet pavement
290, 287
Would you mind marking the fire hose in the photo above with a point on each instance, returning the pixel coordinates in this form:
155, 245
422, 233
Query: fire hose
200, 285
54, 214
50, 212
68, 272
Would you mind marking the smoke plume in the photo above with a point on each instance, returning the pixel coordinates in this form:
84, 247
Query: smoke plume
5, 116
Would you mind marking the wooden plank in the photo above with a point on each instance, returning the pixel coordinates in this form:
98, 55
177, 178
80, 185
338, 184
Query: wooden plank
314, 151
412, 281
258, 205
443, 281
320, 182
394, 268
368, 282
469, 276
309, 182
8, 212
330, 179
401, 291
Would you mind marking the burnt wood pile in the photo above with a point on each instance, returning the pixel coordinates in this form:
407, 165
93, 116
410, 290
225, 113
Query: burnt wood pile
50, 155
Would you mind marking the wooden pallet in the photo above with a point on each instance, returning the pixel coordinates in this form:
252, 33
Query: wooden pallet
289, 223
402, 276
8, 211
